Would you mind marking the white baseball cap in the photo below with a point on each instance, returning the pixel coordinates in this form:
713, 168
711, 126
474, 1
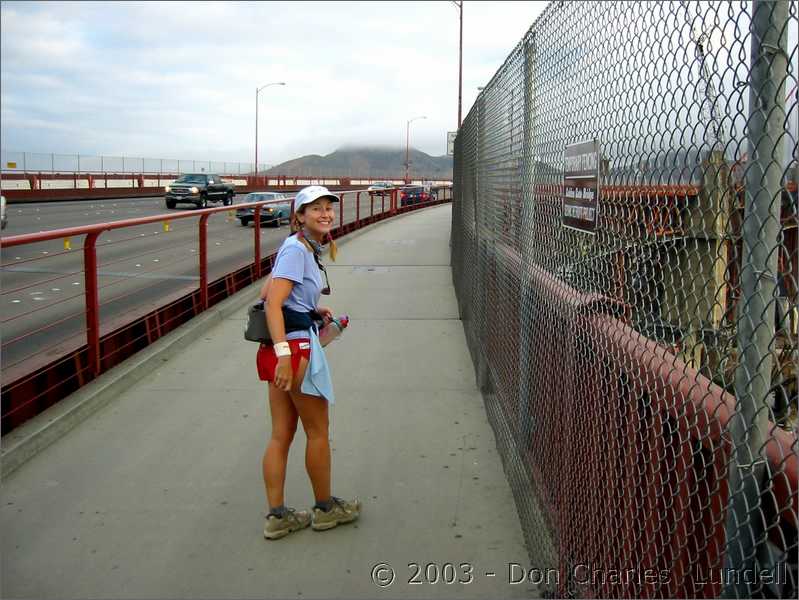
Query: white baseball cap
313, 192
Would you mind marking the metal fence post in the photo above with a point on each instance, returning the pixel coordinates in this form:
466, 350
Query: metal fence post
203, 226
755, 315
526, 303
92, 297
257, 239
485, 249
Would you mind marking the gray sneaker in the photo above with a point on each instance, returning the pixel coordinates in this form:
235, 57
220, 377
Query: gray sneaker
342, 511
294, 520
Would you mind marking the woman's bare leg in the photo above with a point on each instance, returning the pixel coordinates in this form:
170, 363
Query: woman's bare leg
284, 425
313, 413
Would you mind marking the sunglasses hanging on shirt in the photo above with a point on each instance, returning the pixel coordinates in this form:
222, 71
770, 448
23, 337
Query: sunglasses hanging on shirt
325, 290
316, 248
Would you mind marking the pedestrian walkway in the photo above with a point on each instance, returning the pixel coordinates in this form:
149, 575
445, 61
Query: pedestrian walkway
159, 494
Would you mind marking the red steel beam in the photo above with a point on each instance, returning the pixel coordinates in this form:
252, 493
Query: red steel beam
55, 234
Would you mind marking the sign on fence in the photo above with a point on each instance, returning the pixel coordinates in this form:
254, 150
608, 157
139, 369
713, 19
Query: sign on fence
451, 135
581, 186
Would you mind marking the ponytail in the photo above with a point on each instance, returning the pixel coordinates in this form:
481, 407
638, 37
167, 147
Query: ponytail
333, 248
294, 223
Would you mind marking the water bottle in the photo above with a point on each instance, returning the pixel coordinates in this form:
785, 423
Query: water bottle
333, 329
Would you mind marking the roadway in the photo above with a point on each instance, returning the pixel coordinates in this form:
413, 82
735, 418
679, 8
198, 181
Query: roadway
140, 268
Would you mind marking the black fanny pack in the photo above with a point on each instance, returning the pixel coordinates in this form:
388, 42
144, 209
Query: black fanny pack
294, 320
256, 329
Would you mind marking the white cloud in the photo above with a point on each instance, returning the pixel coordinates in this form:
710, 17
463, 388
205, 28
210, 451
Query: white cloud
178, 79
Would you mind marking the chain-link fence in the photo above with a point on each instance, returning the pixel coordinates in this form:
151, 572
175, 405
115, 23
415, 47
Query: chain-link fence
12, 162
38, 162
624, 251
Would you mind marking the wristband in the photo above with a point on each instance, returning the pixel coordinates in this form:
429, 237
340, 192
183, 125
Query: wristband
282, 349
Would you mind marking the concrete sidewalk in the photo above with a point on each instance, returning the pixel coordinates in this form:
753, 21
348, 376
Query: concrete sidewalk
159, 494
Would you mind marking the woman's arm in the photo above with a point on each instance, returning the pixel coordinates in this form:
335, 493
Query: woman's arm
279, 290
265, 287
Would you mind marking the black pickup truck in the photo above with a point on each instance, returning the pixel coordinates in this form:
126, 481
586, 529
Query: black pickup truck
199, 189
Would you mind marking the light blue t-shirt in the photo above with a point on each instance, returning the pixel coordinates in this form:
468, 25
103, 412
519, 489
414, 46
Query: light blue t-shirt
296, 263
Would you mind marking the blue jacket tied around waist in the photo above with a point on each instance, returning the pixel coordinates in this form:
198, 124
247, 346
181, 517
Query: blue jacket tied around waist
317, 381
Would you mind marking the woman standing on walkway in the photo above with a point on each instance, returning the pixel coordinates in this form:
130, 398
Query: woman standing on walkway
295, 392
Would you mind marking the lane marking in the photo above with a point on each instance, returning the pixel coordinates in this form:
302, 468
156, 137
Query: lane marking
101, 274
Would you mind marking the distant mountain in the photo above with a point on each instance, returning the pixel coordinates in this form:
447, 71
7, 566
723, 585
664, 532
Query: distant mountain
367, 162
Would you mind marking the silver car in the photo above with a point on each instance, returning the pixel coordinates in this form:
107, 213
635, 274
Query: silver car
380, 188
272, 214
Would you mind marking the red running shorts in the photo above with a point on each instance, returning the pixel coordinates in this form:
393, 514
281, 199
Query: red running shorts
267, 361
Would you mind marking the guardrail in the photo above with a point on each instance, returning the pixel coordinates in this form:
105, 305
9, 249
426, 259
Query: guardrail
49, 353
38, 186
88, 180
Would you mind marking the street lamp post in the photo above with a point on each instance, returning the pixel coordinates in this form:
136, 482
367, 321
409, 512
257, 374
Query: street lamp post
257, 91
407, 137
459, 4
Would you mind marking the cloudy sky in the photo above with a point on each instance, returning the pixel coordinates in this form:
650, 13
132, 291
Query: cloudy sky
177, 80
